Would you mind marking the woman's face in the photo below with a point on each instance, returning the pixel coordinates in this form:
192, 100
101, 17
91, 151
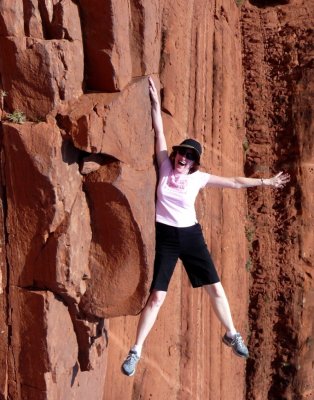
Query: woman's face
184, 160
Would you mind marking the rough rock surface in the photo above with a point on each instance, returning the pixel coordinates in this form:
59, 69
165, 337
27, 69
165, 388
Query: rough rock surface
279, 100
77, 189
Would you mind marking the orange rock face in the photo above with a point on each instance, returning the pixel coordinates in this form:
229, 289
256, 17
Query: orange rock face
78, 183
279, 89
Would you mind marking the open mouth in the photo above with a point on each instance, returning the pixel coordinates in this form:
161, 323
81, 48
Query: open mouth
183, 163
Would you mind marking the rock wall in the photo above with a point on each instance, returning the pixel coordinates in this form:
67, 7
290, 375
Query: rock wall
278, 66
183, 357
78, 185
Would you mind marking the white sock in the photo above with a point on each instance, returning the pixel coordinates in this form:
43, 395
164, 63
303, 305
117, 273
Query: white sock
138, 349
231, 334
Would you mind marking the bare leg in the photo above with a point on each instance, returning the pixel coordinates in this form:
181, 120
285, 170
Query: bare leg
221, 306
148, 316
145, 324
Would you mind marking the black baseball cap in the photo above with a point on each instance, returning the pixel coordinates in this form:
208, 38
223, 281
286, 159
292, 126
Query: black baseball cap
191, 144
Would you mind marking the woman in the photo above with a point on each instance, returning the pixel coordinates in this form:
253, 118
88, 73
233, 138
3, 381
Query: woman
178, 234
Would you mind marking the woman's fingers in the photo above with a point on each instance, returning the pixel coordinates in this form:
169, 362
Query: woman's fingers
151, 84
281, 179
285, 178
152, 90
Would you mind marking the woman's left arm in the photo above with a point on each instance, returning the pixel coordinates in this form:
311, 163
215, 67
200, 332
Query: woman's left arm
277, 181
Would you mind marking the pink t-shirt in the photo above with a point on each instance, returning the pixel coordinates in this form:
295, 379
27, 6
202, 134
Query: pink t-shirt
176, 194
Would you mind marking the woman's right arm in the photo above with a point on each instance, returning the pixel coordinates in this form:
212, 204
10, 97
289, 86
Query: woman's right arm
160, 145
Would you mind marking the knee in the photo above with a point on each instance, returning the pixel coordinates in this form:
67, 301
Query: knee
157, 298
215, 290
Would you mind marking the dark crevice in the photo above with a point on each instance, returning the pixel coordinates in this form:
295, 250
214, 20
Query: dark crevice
79, 320
163, 56
137, 35
269, 3
72, 154
52, 29
84, 340
6, 265
27, 6
44, 18
97, 45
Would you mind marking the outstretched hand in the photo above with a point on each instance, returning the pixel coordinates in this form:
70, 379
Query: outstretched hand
153, 92
279, 180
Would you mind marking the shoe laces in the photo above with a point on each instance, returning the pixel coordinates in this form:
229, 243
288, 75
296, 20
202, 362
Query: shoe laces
238, 340
132, 358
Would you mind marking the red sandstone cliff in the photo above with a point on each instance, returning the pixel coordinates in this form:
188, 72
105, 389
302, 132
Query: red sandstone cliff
78, 184
278, 53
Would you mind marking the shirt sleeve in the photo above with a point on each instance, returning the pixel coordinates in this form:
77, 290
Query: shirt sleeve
204, 179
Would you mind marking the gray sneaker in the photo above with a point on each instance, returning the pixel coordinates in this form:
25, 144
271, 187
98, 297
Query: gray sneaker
237, 344
129, 365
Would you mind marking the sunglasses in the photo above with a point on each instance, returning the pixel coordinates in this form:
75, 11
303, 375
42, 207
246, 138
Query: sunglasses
187, 154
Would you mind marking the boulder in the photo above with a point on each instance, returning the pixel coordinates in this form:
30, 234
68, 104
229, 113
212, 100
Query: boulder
116, 124
121, 202
45, 350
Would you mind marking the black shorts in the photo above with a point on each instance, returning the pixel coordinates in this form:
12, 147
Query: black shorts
189, 245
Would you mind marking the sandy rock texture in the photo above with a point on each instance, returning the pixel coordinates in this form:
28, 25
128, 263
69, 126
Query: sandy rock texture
278, 66
77, 189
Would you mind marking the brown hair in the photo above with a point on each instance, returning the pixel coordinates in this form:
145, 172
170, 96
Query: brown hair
172, 157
